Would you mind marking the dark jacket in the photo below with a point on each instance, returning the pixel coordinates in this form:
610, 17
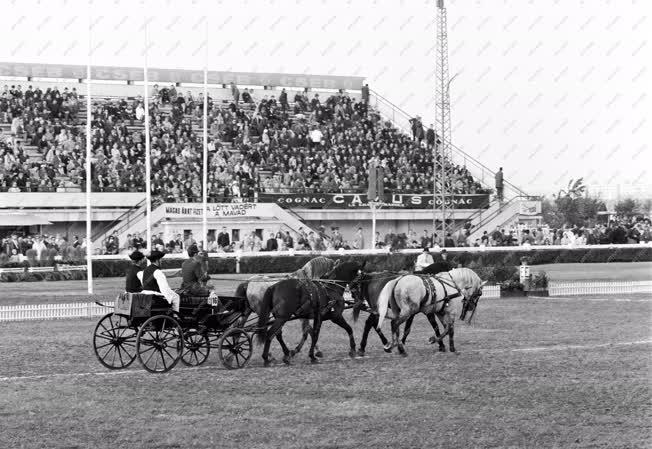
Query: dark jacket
132, 283
272, 245
223, 239
192, 273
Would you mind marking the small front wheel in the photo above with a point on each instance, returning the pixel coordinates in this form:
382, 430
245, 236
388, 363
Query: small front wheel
196, 348
159, 343
235, 348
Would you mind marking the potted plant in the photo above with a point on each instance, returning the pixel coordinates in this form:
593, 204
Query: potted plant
511, 287
539, 284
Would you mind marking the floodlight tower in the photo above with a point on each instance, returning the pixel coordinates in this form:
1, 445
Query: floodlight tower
442, 152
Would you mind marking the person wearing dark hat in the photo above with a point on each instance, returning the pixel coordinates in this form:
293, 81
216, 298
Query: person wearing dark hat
154, 281
132, 282
440, 265
193, 275
424, 260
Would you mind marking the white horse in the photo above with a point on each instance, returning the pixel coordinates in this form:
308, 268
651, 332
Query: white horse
446, 295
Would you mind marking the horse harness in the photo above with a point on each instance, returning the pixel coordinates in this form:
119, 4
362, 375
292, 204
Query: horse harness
314, 289
428, 282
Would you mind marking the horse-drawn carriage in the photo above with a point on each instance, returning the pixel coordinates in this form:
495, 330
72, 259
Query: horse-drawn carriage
145, 327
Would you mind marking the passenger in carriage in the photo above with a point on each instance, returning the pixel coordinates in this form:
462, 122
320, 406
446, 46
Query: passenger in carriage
154, 280
193, 274
132, 282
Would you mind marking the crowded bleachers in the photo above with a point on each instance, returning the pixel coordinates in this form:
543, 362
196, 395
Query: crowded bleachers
281, 145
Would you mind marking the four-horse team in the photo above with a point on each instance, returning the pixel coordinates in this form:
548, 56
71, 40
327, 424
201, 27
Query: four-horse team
321, 290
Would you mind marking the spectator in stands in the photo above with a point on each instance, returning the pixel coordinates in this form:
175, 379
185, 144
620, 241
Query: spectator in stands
223, 239
337, 239
272, 244
365, 94
499, 184
235, 93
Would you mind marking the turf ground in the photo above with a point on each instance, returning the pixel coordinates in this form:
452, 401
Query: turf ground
548, 372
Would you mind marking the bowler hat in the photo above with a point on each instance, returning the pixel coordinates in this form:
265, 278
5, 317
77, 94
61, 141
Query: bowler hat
155, 255
136, 256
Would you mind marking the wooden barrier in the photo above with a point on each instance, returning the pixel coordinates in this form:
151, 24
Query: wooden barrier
31, 312
90, 309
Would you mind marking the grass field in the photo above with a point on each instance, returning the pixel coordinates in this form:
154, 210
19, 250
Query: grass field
554, 372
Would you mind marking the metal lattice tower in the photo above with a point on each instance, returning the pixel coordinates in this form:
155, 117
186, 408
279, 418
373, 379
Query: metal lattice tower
443, 169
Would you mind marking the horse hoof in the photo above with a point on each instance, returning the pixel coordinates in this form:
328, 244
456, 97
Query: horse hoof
315, 361
319, 354
360, 352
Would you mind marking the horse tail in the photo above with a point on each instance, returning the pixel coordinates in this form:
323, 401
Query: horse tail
386, 295
263, 315
357, 307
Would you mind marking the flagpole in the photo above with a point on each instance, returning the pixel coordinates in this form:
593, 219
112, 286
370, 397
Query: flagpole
205, 162
148, 168
89, 185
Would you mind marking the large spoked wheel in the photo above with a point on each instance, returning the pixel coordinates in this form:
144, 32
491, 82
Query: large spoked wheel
114, 342
235, 348
159, 343
196, 348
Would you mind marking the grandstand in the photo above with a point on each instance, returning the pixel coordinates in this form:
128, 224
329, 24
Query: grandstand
298, 156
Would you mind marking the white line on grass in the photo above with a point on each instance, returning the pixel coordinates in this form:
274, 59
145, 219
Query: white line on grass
343, 359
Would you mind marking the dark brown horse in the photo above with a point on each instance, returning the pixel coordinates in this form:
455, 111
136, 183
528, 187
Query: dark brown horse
305, 298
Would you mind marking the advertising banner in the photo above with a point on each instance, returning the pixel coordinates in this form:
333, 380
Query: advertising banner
359, 200
223, 210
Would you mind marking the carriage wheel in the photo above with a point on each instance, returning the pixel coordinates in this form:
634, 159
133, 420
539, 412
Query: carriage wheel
235, 348
114, 342
196, 348
159, 343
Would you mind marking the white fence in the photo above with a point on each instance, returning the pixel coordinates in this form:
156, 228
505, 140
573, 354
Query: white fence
491, 291
54, 311
90, 309
596, 288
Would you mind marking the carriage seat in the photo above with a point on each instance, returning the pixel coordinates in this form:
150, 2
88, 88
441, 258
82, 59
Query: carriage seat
138, 305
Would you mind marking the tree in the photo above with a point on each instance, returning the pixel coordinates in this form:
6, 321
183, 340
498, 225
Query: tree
627, 207
570, 207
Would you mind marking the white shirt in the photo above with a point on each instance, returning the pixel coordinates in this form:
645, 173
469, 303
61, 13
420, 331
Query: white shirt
316, 135
423, 261
169, 294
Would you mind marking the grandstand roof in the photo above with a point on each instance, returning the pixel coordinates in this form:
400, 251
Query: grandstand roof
180, 76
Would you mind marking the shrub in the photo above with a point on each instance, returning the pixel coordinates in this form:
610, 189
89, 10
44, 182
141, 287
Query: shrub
540, 280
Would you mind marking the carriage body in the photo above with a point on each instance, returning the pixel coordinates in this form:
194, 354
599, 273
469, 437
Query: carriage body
145, 327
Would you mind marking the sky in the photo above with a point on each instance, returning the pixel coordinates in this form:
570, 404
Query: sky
548, 90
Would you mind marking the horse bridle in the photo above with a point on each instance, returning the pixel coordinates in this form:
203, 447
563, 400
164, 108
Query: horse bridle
466, 302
